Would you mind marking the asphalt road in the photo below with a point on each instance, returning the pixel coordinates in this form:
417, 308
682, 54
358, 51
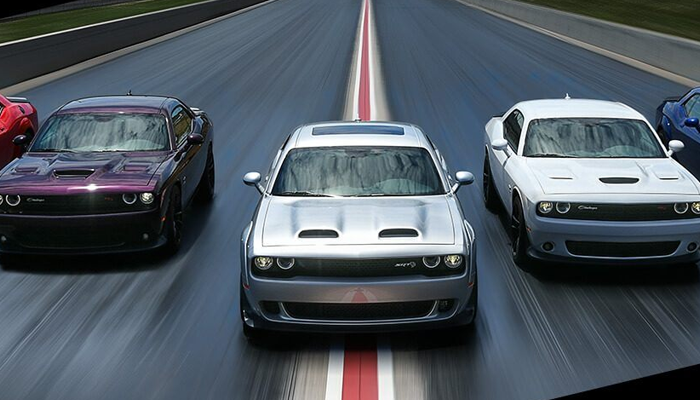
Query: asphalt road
148, 327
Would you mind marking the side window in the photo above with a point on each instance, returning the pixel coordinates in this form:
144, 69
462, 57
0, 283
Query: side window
182, 123
692, 106
512, 127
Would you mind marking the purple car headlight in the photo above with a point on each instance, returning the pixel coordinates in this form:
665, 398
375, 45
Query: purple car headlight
147, 198
13, 199
129, 198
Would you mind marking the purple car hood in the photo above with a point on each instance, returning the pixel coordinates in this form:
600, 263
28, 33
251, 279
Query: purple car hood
65, 173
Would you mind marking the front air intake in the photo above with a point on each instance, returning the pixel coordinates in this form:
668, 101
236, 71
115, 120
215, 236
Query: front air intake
73, 173
318, 234
398, 233
619, 180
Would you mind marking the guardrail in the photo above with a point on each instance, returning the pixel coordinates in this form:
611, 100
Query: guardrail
28, 58
677, 55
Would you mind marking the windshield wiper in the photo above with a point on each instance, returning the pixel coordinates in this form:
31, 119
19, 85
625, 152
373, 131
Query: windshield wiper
304, 194
552, 155
369, 195
52, 151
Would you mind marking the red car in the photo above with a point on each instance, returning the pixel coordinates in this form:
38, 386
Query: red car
17, 117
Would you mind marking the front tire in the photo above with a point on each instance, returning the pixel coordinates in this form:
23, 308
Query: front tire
174, 222
519, 240
205, 188
490, 195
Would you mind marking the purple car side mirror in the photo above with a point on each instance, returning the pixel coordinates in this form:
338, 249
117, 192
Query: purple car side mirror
195, 139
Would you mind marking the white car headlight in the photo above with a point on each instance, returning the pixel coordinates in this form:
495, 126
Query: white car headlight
263, 263
563, 208
285, 263
545, 207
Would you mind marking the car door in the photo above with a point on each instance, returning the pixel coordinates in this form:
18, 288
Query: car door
183, 124
689, 135
512, 129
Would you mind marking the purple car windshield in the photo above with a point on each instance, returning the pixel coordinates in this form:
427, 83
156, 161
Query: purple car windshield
99, 132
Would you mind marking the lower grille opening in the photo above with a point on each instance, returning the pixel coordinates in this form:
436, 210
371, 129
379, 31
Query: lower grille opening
359, 312
271, 307
635, 249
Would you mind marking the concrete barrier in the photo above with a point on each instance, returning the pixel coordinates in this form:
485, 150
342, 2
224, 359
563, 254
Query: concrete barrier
677, 55
25, 59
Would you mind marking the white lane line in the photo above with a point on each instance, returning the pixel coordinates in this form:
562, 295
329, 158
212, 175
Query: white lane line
334, 381
370, 59
385, 370
358, 64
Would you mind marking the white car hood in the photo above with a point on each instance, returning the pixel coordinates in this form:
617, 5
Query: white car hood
583, 176
358, 221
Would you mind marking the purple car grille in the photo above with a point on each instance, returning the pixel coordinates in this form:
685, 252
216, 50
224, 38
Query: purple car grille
84, 204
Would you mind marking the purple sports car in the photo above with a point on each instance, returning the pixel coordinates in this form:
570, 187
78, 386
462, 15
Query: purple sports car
107, 174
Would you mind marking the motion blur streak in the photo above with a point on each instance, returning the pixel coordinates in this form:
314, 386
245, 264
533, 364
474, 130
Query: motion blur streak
169, 328
449, 68
148, 327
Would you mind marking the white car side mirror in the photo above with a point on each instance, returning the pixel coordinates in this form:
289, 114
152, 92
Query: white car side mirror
675, 146
253, 179
500, 145
463, 178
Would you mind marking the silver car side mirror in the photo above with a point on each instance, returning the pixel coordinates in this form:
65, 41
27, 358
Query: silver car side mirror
253, 179
500, 145
463, 178
675, 146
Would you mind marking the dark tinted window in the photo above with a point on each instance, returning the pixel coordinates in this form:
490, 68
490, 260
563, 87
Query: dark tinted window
591, 138
512, 127
181, 124
692, 106
87, 132
358, 171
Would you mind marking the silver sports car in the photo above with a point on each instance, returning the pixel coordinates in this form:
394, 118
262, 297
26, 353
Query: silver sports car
358, 228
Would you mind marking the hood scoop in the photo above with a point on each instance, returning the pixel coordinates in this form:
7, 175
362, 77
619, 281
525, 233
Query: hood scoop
72, 173
26, 170
136, 167
318, 234
619, 180
398, 233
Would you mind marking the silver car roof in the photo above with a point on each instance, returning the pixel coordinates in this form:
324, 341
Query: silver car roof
343, 133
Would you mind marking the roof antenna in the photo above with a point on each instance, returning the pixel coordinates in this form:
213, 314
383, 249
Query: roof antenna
128, 93
567, 97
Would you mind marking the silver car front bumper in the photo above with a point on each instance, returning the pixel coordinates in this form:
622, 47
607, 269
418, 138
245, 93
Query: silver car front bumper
262, 293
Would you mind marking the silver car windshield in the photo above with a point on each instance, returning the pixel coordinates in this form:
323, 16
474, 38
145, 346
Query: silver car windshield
358, 171
91, 132
591, 138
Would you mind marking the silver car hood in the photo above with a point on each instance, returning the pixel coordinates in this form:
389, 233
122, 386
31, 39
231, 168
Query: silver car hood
583, 176
357, 221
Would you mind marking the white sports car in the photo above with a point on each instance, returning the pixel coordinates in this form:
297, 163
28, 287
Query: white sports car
589, 181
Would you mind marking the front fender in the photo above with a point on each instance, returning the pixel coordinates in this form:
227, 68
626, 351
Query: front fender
245, 238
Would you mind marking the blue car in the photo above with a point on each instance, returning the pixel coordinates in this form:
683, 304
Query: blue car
679, 118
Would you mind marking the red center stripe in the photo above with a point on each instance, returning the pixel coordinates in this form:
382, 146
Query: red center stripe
363, 101
360, 371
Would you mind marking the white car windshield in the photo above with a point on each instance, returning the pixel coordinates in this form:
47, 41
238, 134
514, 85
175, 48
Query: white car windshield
591, 138
92, 132
358, 171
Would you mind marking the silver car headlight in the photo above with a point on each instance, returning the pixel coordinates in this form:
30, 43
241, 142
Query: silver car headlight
680, 208
285, 263
545, 207
453, 260
695, 207
263, 263
431, 262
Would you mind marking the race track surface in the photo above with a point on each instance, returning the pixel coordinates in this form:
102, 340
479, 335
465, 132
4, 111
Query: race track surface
145, 326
